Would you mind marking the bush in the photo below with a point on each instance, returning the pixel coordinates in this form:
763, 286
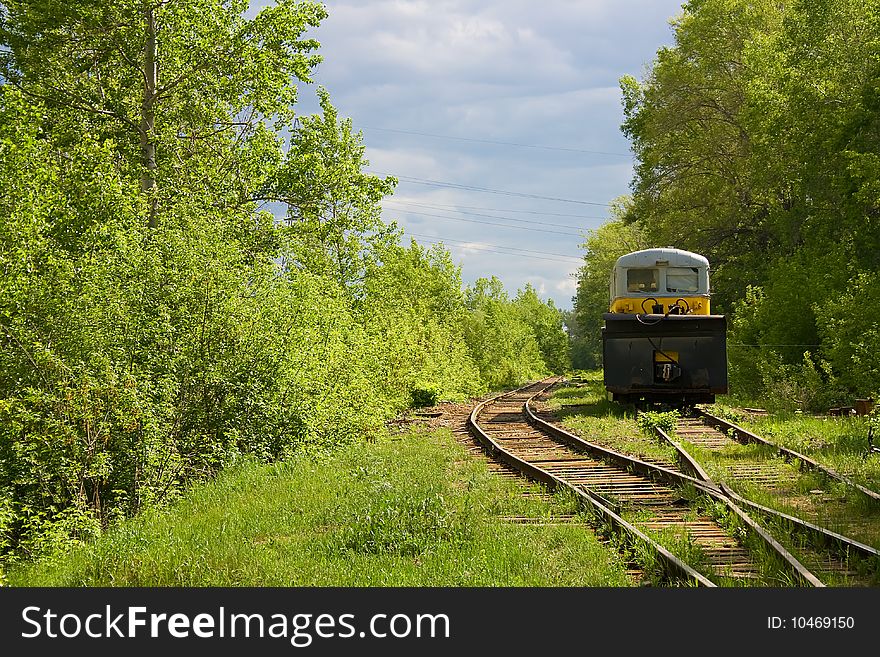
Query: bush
422, 397
648, 421
808, 387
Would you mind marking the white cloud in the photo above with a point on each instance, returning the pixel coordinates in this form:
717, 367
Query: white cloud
417, 163
568, 284
538, 73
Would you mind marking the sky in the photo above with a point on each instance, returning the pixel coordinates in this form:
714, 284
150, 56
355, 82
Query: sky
500, 118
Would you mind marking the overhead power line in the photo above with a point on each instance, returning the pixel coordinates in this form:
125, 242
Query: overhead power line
540, 212
497, 143
488, 216
493, 223
473, 188
492, 247
499, 246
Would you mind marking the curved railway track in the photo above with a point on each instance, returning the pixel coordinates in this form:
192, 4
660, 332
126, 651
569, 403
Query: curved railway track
643, 502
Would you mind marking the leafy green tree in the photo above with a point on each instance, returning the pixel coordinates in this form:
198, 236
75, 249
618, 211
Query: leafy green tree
333, 207
502, 344
132, 349
545, 321
188, 91
413, 309
695, 186
756, 135
603, 247
851, 335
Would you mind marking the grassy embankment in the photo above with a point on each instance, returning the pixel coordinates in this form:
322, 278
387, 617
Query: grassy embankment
402, 511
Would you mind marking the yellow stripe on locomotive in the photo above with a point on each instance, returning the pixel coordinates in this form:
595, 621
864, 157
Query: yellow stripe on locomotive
693, 305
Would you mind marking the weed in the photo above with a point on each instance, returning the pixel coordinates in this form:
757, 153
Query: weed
725, 413
648, 421
422, 396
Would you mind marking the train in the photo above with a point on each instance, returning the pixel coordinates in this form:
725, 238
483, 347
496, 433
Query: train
660, 342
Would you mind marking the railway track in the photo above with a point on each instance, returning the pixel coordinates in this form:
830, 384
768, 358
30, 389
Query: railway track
458, 421
722, 433
650, 506
828, 544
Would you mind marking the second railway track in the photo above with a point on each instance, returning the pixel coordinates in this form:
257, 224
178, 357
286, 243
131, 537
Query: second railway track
832, 545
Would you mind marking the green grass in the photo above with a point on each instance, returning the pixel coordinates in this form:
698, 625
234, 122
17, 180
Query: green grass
584, 410
837, 442
402, 511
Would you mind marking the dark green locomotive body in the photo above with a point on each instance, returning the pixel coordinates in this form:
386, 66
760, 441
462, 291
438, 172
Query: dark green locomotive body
673, 359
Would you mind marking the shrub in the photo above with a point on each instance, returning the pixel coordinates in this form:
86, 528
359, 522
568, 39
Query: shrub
648, 421
425, 396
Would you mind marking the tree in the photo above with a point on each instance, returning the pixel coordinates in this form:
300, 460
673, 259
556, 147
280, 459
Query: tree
545, 321
695, 186
134, 138
603, 247
187, 91
756, 135
332, 205
413, 310
501, 343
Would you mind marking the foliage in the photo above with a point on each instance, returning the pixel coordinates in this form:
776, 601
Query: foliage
850, 333
693, 186
501, 340
756, 138
648, 421
158, 321
414, 313
546, 323
603, 247
333, 207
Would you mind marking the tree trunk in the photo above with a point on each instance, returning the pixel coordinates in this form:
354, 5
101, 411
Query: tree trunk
148, 119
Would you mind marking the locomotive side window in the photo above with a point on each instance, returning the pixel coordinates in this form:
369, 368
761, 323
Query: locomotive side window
642, 280
682, 279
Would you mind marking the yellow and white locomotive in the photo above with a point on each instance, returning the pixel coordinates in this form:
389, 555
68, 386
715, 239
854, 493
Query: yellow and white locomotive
660, 342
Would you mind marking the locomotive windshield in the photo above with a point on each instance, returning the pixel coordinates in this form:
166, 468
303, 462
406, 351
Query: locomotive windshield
642, 280
682, 279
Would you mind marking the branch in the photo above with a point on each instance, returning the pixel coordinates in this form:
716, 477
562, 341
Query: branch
75, 105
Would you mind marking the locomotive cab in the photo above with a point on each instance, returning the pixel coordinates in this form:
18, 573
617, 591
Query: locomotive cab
660, 342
